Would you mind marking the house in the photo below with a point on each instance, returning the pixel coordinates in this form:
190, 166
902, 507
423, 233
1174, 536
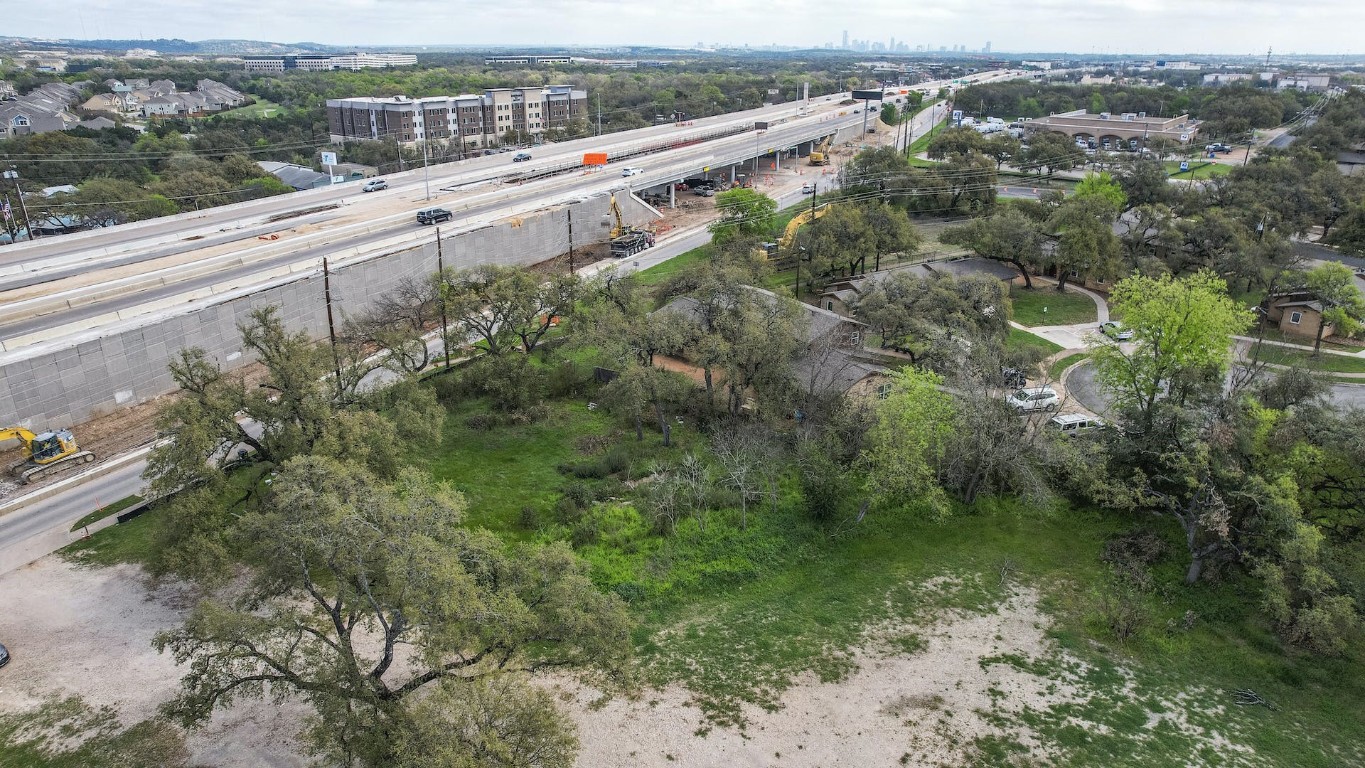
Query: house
112, 103
161, 106
7, 90
295, 176
44, 109
843, 294
831, 360
1296, 313
60, 189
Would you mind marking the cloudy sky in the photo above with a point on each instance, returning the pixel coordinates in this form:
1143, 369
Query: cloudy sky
1082, 26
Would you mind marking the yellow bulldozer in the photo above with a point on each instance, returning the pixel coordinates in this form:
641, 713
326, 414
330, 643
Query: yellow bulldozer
45, 454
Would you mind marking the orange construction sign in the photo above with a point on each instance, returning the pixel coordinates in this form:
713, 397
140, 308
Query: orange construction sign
594, 158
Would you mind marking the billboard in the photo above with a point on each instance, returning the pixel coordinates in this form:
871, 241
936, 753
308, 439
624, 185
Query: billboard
329, 158
594, 158
868, 95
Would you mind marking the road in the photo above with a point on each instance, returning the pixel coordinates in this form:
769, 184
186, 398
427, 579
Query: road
1082, 386
72, 284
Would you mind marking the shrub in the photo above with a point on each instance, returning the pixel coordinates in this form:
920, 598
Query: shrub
580, 494
568, 379
482, 422
528, 519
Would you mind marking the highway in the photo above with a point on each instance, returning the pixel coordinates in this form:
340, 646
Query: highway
60, 286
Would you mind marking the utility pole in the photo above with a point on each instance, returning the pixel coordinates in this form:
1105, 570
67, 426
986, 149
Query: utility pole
569, 211
426, 174
331, 324
599, 114
796, 290
13, 175
441, 286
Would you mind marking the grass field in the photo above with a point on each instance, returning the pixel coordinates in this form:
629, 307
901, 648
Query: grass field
105, 511
660, 273
1020, 339
1045, 306
739, 616
1059, 365
1198, 170
262, 108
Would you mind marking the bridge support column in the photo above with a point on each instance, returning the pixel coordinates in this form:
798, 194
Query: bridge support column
672, 195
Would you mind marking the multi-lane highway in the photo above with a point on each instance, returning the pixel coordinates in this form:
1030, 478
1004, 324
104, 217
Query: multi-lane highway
58, 286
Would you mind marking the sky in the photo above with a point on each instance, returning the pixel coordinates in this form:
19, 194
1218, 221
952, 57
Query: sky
1077, 26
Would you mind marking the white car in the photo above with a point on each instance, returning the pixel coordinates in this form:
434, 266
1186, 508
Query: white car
1034, 399
632, 171
1115, 330
808, 188
1072, 424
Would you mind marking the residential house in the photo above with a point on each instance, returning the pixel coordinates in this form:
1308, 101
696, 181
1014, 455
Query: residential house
1296, 313
161, 106
7, 90
830, 361
843, 294
111, 103
295, 176
45, 108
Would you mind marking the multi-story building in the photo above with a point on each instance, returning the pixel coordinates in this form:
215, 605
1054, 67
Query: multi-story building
474, 120
309, 62
534, 58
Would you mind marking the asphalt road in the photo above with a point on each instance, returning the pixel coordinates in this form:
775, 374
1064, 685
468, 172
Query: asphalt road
75, 254
1081, 386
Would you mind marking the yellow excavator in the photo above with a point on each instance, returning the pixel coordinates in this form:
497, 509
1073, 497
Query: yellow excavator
820, 154
785, 242
45, 454
627, 240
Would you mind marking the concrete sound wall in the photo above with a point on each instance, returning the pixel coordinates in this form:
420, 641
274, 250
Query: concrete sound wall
55, 387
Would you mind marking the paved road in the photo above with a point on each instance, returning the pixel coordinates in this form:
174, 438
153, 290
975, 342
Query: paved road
74, 310
1082, 386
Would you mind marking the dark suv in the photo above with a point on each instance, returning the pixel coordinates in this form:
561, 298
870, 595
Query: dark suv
4, 655
433, 215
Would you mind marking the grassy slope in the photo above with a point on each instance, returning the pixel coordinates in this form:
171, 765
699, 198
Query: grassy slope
1326, 361
105, 511
1019, 339
747, 612
1067, 308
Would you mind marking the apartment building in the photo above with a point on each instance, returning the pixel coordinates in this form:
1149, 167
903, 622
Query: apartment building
474, 120
307, 62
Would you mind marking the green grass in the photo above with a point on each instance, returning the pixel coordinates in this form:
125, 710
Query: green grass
663, 271
1020, 339
106, 511
1198, 170
1045, 306
68, 733
262, 108
130, 542
1055, 370
921, 143
1331, 363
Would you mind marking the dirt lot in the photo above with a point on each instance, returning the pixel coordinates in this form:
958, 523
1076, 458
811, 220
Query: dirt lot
89, 632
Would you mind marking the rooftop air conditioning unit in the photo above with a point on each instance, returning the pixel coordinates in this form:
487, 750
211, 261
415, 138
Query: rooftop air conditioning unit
1104, 115
1142, 115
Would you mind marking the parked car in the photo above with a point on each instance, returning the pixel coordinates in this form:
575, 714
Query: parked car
521, 157
1219, 146
374, 185
1073, 424
808, 188
1014, 377
1115, 330
433, 215
705, 191
4, 655
632, 171
1034, 399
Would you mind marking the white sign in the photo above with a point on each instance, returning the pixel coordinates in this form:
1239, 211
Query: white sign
1184, 165
1184, 137
329, 158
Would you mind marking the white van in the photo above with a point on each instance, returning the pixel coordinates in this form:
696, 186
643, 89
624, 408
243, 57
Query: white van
1073, 424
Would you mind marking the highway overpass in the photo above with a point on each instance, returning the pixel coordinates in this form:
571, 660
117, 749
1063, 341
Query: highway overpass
88, 321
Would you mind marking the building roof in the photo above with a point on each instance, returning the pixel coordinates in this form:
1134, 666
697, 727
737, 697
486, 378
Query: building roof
295, 176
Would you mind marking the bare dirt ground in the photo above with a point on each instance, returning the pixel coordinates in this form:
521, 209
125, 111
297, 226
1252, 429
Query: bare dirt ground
108, 436
88, 632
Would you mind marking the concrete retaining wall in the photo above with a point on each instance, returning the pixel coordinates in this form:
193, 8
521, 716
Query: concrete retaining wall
65, 386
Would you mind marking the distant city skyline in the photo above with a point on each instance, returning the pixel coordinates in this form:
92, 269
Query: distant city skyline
1217, 27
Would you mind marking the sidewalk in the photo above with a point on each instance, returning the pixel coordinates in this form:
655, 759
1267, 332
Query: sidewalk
1304, 348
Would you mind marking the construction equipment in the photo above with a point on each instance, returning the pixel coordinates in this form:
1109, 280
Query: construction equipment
820, 154
627, 240
45, 454
788, 238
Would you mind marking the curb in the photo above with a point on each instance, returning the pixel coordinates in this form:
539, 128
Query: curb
102, 469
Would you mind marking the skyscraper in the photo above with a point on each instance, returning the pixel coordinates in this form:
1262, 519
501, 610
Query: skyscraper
987, 49
845, 45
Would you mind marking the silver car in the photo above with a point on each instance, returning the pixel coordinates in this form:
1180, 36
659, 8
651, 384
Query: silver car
1034, 399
